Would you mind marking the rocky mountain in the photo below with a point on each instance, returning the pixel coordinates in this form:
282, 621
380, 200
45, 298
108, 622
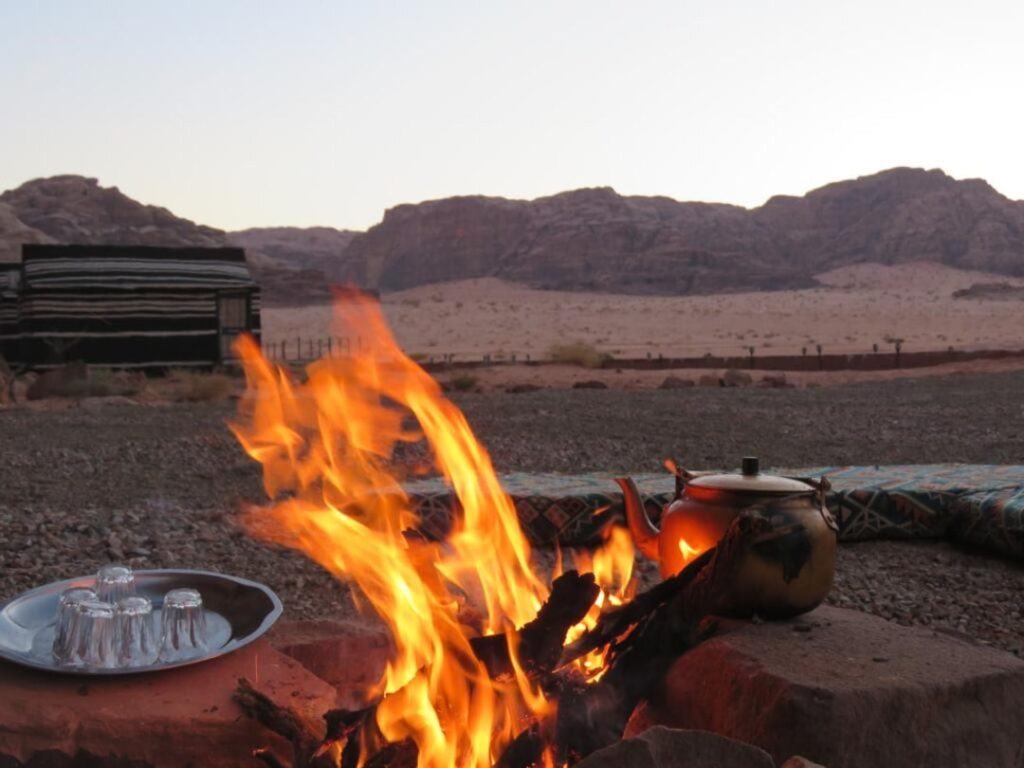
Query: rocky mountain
14, 232
596, 239
898, 216
586, 239
317, 248
76, 209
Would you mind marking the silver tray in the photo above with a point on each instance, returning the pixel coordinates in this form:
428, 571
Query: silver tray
237, 612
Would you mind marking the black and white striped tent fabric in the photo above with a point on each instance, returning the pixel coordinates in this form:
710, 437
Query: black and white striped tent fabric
132, 307
10, 279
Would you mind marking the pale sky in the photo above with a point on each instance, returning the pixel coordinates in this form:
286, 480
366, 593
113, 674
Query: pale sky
245, 113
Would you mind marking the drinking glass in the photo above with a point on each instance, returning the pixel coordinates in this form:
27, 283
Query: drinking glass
183, 625
136, 644
114, 582
66, 607
93, 634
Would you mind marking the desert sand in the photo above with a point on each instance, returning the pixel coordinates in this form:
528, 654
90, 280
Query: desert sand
854, 308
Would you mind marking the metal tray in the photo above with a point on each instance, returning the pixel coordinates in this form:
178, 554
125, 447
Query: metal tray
237, 612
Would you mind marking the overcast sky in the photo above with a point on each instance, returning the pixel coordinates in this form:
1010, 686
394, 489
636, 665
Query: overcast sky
247, 113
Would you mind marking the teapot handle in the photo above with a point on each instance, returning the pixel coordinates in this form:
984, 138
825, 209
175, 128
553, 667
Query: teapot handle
683, 476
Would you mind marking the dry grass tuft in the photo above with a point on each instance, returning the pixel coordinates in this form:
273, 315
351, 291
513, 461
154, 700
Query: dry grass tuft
578, 353
195, 387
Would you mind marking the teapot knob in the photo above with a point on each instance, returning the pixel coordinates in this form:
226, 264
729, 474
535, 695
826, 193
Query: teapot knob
751, 466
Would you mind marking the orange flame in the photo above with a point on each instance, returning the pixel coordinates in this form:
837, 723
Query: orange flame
326, 446
612, 566
689, 552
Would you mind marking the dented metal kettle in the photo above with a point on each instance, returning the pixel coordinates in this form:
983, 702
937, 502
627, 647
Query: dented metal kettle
791, 574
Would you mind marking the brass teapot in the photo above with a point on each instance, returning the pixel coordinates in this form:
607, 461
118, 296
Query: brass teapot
706, 504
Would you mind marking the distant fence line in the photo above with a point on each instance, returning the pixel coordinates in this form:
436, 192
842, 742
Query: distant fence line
305, 350
300, 350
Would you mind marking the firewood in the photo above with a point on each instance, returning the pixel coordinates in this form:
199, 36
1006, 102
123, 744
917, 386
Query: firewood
642, 637
268, 758
541, 640
397, 754
703, 587
283, 721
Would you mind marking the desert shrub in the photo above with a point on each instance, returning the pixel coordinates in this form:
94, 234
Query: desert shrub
124, 383
82, 388
195, 387
464, 383
77, 380
583, 355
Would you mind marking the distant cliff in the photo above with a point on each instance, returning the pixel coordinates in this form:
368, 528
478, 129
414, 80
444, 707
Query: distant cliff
586, 240
289, 262
596, 239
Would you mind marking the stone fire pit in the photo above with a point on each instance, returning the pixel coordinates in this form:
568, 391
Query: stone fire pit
838, 687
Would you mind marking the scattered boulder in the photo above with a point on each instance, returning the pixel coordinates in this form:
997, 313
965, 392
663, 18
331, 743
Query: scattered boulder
736, 378
709, 380
661, 747
775, 381
66, 381
849, 690
675, 382
592, 384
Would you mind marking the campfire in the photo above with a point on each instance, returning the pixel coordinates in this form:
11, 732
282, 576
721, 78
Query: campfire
491, 665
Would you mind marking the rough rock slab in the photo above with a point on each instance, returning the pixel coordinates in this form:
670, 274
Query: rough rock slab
171, 719
846, 689
350, 655
661, 747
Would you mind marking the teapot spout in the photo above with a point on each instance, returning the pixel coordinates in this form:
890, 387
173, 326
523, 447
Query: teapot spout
645, 535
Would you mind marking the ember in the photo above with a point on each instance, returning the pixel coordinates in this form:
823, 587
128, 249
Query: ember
326, 447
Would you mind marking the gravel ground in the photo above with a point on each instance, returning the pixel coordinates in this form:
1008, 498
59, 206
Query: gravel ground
158, 486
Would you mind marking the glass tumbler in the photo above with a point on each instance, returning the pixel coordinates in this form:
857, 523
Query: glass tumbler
114, 582
183, 625
66, 607
93, 634
136, 643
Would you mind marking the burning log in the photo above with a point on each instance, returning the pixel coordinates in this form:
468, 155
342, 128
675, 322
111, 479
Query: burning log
327, 446
280, 720
643, 637
707, 585
541, 640
308, 749
647, 634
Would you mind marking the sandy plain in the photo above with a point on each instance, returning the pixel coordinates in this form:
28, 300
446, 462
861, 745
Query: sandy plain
853, 309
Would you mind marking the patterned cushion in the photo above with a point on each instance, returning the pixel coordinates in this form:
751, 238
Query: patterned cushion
975, 504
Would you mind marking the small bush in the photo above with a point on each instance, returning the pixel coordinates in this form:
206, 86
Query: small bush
464, 383
583, 355
77, 380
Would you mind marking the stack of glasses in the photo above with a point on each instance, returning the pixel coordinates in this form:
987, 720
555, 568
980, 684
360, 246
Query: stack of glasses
110, 627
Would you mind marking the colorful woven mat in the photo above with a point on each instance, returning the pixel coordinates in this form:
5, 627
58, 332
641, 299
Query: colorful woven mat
977, 504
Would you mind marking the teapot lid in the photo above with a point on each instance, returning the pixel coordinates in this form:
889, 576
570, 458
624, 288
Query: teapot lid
751, 481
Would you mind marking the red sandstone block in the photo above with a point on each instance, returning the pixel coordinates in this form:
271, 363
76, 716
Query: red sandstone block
350, 655
173, 719
849, 690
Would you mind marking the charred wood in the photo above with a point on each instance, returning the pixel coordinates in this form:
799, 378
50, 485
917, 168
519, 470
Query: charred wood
541, 640
284, 722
